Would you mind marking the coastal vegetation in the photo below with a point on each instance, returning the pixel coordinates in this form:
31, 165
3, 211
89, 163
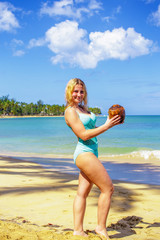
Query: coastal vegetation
10, 107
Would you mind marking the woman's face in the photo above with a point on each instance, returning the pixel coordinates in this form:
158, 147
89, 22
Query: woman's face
78, 94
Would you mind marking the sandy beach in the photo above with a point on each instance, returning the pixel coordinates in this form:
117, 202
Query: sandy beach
36, 203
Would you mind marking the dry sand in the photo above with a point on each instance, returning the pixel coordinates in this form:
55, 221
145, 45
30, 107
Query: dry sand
36, 204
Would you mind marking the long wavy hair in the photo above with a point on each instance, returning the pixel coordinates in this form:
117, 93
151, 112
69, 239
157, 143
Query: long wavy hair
69, 90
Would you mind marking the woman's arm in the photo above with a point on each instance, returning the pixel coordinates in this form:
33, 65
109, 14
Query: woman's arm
72, 120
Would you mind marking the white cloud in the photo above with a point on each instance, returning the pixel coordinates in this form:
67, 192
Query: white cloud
16, 44
18, 53
79, 1
66, 36
119, 44
63, 7
69, 8
65, 40
108, 18
155, 17
36, 43
71, 44
94, 4
8, 21
118, 9
113, 15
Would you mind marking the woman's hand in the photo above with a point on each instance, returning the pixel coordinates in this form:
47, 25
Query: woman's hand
111, 122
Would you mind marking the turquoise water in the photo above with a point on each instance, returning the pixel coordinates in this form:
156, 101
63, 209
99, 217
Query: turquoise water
138, 135
49, 142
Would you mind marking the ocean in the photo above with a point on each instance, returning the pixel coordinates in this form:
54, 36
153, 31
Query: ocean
44, 139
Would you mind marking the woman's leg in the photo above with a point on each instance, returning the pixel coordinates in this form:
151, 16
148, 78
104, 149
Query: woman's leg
79, 205
97, 174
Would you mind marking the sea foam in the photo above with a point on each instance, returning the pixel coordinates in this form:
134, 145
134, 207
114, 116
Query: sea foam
145, 154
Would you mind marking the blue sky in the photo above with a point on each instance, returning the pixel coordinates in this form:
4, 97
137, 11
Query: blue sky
113, 45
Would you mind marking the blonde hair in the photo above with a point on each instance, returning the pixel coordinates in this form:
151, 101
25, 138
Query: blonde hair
69, 90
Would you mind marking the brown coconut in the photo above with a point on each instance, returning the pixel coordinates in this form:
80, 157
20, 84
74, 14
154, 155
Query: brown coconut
117, 110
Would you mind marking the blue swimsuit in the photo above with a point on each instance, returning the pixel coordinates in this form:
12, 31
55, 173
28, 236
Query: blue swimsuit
90, 145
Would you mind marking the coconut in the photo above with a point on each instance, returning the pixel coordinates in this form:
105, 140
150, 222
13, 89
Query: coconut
117, 110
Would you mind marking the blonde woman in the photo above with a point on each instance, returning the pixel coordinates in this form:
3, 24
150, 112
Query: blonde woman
82, 122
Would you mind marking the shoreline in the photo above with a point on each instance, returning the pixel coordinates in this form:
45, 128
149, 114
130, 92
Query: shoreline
38, 202
99, 115
119, 158
27, 116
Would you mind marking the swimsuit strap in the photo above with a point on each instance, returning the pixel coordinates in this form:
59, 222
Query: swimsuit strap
70, 107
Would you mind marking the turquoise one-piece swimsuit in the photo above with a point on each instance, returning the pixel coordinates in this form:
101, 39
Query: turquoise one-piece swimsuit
90, 145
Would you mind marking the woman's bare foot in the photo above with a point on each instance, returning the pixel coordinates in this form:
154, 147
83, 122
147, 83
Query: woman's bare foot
102, 232
82, 233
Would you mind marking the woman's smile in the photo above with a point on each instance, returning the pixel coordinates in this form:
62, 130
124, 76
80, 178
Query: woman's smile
78, 93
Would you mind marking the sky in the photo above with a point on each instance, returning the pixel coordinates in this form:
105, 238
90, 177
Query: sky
112, 45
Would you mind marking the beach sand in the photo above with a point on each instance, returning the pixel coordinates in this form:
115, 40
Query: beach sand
36, 204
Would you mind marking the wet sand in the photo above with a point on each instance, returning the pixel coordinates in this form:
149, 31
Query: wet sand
36, 203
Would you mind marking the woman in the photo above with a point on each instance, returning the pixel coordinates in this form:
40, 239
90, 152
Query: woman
82, 123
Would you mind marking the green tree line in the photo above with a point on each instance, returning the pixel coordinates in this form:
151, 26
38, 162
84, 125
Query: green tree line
10, 107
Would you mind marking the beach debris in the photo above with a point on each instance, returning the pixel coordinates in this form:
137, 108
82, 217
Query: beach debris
155, 224
51, 225
126, 223
67, 229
